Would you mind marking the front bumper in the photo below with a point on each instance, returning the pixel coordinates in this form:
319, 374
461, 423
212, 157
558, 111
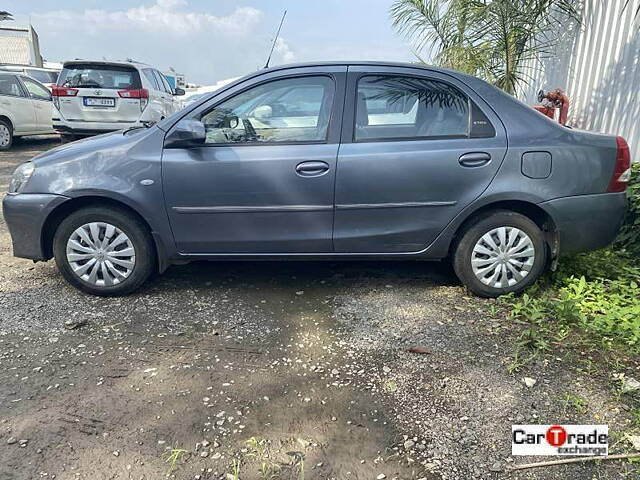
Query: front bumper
587, 222
25, 214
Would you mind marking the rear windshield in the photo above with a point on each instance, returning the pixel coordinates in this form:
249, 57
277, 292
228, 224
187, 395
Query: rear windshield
99, 76
42, 76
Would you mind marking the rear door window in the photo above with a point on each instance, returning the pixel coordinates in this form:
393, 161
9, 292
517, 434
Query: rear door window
100, 76
148, 72
164, 86
9, 85
398, 107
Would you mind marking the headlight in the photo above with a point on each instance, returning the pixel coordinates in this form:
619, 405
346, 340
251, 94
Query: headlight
20, 177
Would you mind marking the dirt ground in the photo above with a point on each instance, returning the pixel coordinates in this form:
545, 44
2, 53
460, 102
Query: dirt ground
258, 370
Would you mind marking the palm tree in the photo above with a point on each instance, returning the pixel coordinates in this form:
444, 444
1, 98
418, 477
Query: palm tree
492, 39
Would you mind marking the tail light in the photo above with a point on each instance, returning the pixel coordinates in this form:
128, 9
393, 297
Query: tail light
141, 93
622, 170
57, 92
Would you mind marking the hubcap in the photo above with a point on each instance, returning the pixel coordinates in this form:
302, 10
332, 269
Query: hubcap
503, 257
5, 136
101, 254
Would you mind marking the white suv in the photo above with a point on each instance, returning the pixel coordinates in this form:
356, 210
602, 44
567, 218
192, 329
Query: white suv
94, 97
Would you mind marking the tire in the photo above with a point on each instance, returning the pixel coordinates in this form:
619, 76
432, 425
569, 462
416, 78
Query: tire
6, 135
497, 273
120, 266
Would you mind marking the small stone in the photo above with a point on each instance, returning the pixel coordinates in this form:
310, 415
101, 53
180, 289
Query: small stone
386, 369
11, 441
382, 476
216, 455
300, 292
496, 467
630, 384
529, 382
23, 442
408, 444
204, 454
205, 443
116, 453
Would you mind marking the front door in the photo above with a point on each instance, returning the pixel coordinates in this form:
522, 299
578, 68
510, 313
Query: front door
264, 180
41, 103
417, 148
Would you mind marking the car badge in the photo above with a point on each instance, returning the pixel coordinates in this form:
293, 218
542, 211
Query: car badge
97, 92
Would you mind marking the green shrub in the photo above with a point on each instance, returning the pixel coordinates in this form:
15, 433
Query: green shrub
597, 292
629, 237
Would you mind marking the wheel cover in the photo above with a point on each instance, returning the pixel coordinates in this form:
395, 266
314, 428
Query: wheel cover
5, 136
503, 257
101, 254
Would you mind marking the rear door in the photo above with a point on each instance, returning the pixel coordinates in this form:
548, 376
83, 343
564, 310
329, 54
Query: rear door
15, 101
264, 180
41, 101
104, 93
417, 148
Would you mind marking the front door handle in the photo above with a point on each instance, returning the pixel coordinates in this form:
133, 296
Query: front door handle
474, 159
312, 169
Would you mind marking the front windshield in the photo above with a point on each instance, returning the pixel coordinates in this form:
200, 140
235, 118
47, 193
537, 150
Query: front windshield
43, 76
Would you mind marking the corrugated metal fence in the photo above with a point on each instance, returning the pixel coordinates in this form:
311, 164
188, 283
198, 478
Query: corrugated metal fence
598, 64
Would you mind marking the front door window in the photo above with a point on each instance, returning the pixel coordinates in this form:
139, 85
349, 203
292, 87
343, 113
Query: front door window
281, 111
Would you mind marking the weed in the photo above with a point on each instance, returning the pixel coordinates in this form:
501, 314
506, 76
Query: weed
174, 456
257, 449
390, 386
578, 404
234, 466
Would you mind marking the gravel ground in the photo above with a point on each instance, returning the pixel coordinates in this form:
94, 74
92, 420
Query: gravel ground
273, 369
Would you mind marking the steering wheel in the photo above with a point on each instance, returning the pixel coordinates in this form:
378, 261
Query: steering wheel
250, 132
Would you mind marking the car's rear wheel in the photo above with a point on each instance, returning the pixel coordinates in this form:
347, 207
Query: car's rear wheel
501, 252
104, 251
6, 135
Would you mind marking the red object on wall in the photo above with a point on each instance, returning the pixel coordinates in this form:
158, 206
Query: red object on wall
552, 101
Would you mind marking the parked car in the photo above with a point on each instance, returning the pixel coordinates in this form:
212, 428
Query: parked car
25, 108
46, 76
334, 160
94, 97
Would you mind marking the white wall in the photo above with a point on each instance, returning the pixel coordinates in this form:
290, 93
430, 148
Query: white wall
598, 65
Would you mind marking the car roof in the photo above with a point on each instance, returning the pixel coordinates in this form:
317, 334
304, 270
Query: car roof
372, 63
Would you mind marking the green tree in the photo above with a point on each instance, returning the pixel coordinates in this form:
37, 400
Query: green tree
491, 39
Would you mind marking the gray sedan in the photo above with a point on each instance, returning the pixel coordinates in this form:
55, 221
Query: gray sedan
332, 160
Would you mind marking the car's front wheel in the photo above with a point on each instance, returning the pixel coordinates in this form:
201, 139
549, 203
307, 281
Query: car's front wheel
104, 251
501, 252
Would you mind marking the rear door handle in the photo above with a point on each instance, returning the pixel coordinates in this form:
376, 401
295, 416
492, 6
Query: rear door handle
474, 159
312, 169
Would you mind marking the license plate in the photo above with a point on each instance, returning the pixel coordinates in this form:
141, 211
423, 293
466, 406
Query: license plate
99, 102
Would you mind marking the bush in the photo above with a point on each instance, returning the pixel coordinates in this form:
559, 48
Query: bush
629, 237
597, 292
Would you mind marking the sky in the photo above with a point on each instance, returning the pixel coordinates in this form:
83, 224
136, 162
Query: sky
211, 40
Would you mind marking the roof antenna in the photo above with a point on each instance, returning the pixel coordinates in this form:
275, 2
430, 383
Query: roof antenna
275, 39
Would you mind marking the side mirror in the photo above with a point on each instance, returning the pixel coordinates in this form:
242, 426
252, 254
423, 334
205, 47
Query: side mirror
186, 133
178, 91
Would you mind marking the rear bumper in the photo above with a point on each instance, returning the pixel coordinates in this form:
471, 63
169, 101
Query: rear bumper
25, 215
587, 222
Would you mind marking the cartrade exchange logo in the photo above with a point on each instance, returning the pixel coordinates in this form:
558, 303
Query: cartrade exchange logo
560, 440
